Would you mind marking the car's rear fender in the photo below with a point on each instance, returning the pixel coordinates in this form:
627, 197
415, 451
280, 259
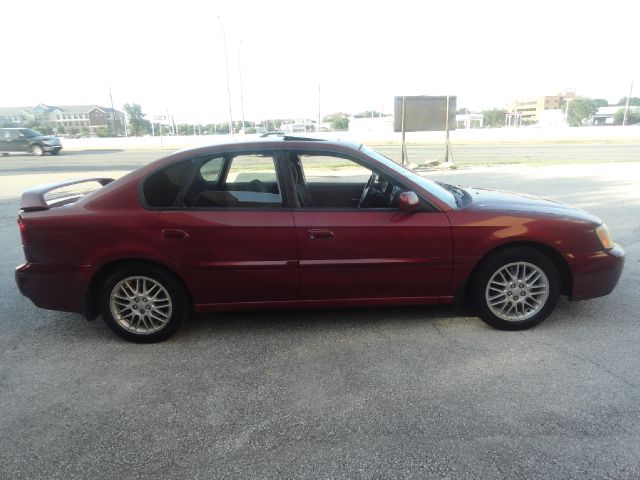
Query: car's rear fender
90, 307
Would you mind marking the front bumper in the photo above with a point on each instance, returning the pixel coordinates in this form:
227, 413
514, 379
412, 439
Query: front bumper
54, 287
595, 274
52, 148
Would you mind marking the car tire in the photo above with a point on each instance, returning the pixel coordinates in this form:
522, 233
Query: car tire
515, 288
143, 303
37, 150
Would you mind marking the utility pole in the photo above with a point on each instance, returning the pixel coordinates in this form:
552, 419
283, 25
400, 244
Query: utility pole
319, 118
404, 160
626, 107
226, 62
241, 90
113, 113
447, 150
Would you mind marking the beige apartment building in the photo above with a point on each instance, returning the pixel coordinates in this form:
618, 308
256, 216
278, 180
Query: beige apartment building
527, 111
69, 117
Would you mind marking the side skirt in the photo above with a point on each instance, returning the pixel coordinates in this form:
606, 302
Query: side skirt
292, 304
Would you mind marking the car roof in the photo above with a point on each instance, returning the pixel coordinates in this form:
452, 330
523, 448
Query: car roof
283, 141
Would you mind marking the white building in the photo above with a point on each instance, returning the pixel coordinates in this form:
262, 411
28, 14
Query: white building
371, 125
606, 115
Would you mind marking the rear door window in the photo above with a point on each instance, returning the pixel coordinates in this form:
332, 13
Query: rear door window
211, 169
250, 181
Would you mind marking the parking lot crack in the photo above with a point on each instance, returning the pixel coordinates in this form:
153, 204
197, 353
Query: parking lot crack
585, 359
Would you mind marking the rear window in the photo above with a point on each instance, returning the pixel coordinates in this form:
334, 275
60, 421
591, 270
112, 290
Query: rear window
161, 189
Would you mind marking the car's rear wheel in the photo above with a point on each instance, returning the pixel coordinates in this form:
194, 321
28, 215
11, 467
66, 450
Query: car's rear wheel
37, 150
143, 303
515, 288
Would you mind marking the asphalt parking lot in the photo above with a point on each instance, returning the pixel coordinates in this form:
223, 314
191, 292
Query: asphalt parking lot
355, 393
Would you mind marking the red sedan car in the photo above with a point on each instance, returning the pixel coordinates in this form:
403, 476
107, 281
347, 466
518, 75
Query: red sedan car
294, 222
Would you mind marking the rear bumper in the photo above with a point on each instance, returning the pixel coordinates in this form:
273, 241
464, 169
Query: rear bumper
595, 274
54, 287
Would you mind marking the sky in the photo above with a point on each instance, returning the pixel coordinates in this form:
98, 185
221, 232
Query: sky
170, 56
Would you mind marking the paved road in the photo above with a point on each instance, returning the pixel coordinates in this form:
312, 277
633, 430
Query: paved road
464, 154
360, 393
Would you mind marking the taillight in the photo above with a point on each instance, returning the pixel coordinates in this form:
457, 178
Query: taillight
23, 232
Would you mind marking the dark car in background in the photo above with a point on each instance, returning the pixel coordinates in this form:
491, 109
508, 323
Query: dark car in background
15, 140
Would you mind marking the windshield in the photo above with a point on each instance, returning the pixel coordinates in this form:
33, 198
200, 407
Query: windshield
435, 189
31, 133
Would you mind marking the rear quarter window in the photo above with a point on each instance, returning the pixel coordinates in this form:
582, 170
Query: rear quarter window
161, 189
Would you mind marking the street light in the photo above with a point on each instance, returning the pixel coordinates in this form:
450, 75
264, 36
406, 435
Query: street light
226, 61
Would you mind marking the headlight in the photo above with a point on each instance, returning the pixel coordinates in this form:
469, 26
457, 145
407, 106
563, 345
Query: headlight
605, 237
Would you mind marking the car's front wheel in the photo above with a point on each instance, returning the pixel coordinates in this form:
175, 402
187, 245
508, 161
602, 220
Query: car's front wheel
142, 303
37, 150
515, 288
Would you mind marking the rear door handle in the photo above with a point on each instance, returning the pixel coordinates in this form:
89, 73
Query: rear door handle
320, 234
174, 234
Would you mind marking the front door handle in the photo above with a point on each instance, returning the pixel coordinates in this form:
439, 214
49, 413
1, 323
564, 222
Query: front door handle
174, 234
320, 234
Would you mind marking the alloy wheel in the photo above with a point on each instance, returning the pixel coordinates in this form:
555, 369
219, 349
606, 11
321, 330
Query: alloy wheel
517, 291
140, 305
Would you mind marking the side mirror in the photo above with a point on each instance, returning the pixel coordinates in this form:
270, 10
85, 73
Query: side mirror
408, 201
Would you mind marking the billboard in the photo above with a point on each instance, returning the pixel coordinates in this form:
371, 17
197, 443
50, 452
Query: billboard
424, 113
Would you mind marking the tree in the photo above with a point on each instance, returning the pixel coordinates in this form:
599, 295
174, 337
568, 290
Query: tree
633, 117
369, 114
103, 132
221, 128
494, 117
580, 110
185, 129
601, 102
138, 125
633, 102
338, 121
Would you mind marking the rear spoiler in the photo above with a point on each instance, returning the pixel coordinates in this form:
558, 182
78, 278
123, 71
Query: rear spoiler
33, 200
